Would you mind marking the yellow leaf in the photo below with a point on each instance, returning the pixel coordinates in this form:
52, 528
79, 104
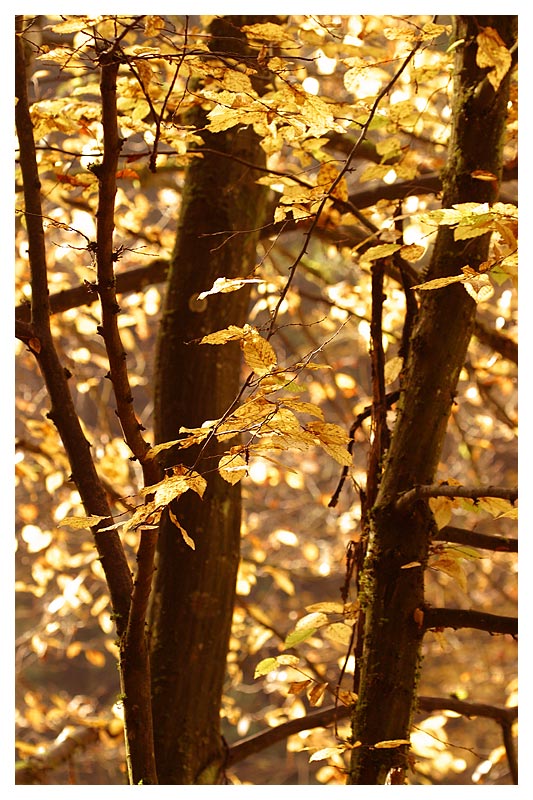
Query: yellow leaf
327, 752
374, 172
314, 620
327, 175
232, 467
339, 632
298, 686
186, 538
229, 334
412, 252
438, 283
175, 485
80, 522
333, 439
328, 607
316, 693
303, 407
346, 697
225, 285
393, 367
267, 32
479, 287
390, 743
153, 24
380, 251
441, 508
493, 53
452, 567
258, 353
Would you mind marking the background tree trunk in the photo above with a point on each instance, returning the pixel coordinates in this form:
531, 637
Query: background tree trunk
391, 596
194, 589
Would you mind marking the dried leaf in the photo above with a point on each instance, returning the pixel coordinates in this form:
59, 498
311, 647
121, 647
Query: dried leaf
390, 743
298, 686
258, 353
327, 752
232, 467
229, 334
339, 632
316, 693
493, 53
225, 285
186, 538
79, 523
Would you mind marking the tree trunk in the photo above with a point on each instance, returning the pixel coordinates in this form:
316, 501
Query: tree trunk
194, 589
392, 597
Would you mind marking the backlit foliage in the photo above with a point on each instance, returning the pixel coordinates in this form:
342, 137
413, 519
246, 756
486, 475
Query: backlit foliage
304, 380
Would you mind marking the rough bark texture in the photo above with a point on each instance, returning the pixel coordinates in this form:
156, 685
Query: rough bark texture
194, 589
392, 596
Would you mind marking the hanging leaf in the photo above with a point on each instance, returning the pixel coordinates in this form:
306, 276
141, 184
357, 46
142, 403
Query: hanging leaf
175, 485
316, 693
327, 752
270, 664
229, 334
79, 523
339, 632
232, 467
225, 285
493, 53
388, 744
333, 439
258, 353
186, 538
297, 687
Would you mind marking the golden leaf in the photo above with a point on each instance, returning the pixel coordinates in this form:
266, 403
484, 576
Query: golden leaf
296, 687
316, 693
327, 175
258, 353
229, 334
493, 53
327, 752
390, 743
412, 252
232, 467
186, 538
228, 285
339, 632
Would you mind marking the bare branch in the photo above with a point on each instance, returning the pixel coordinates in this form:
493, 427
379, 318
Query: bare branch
62, 412
467, 618
324, 717
484, 541
444, 490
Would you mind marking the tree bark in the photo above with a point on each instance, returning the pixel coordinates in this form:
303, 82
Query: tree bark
393, 596
194, 589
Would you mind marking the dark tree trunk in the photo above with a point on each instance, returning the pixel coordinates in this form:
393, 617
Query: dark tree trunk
392, 597
194, 589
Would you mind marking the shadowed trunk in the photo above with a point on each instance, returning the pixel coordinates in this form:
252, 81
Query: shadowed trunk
393, 598
194, 589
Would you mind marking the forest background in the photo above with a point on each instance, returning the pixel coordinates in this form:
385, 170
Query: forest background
285, 543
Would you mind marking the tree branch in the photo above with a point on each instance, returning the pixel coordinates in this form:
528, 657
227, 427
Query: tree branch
467, 618
484, 541
135, 663
324, 717
62, 412
444, 490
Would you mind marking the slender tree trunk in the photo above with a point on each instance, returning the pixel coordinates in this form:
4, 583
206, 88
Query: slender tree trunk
194, 589
393, 597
